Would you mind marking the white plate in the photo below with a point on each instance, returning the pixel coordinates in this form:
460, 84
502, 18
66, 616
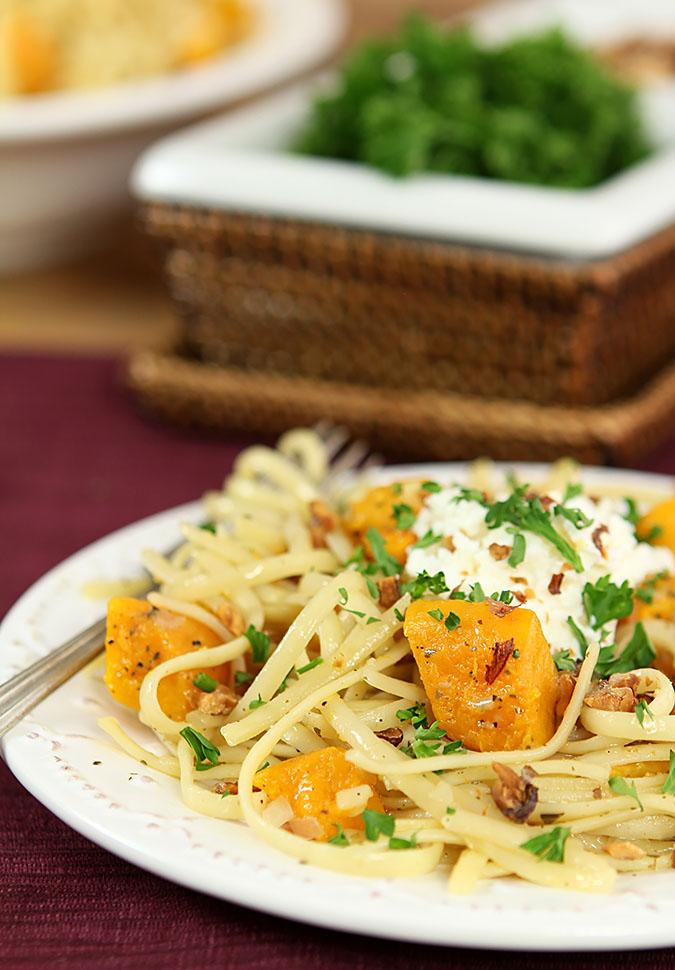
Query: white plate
241, 163
65, 156
138, 814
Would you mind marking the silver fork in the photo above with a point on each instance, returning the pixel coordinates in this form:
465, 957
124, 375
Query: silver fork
21, 693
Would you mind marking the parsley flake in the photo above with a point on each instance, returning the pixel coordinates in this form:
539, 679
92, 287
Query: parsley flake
428, 539
398, 843
549, 845
339, 838
563, 660
517, 550
621, 787
258, 703
404, 515
436, 614
432, 487
311, 665
669, 783
376, 823
241, 677
638, 652
383, 559
424, 583
204, 750
260, 644
642, 708
205, 683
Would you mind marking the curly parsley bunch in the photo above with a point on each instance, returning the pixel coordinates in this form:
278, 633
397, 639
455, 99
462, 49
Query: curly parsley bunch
538, 109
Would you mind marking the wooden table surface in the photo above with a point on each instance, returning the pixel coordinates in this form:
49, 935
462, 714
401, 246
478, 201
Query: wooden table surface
114, 300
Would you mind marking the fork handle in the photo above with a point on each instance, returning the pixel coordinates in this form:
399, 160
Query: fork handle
22, 692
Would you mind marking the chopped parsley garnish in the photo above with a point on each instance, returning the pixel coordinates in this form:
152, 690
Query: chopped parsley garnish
257, 703
428, 539
343, 593
284, 683
578, 519
260, 644
645, 592
476, 595
208, 527
563, 660
669, 783
339, 838
654, 533
436, 615
202, 747
384, 561
205, 683
549, 845
605, 601
642, 708
431, 487
579, 636
632, 514
399, 616
506, 596
241, 677
572, 489
457, 594
424, 583
396, 488
516, 654
452, 621
454, 747
376, 823
311, 665
529, 515
397, 843
450, 810
373, 619
416, 714
430, 733
638, 652
517, 550
621, 787
404, 515
266, 765
469, 495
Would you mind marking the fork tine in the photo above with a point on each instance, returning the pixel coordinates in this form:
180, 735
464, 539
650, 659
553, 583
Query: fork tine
334, 438
350, 458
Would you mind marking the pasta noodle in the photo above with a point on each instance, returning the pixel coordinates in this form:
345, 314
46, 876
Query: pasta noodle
342, 676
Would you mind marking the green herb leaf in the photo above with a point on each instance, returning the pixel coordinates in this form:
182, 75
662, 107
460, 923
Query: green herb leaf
208, 527
396, 488
450, 810
424, 583
404, 516
580, 638
638, 652
517, 551
416, 715
399, 616
205, 683
645, 591
284, 683
373, 619
476, 595
654, 533
621, 787
260, 644
549, 845
457, 594
454, 747
339, 838
605, 601
669, 783
431, 487
470, 495
516, 654
572, 489
397, 843
432, 733
384, 561
241, 677
258, 703
578, 519
376, 823
311, 665
632, 514
206, 754
436, 615
563, 660
452, 621
642, 708
428, 539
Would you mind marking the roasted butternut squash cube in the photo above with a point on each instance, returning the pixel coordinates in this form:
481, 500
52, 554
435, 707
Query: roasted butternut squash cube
311, 783
378, 509
138, 637
661, 520
491, 681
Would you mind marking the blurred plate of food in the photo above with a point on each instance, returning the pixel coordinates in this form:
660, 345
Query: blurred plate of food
85, 85
517, 135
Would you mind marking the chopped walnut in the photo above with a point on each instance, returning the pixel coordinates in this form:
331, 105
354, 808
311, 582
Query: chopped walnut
597, 792
514, 795
449, 544
597, 541
555, 584
501, 653
623, 850
392, 735
323, 515
231, 618
220, 701
566, 683
390, 591
615, 694
220, 787
499, 552
546, 500
521, 597
497, 608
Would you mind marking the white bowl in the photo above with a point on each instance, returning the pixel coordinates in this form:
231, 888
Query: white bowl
65, 156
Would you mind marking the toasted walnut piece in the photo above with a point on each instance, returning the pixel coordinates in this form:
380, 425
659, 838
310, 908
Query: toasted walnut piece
597, 541
497, 608
220, 701
521, 597
231, 618
220, 787
392, 735
502, 652
546, 500
566, 684
597, 792
519, 579
322, 514
449, 543
613, 696
390, 591
499, 552
630, 679
623, 850
555, 584
514, 795
318, 536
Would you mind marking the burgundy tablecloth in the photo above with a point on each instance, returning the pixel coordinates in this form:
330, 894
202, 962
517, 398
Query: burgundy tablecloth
77, 461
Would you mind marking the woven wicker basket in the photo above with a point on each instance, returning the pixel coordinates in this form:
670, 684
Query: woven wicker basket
291, 299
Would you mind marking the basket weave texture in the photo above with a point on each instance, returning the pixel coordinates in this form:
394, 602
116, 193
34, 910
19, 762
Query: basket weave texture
277, 297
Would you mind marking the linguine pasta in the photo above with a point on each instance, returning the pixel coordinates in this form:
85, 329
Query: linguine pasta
342, 675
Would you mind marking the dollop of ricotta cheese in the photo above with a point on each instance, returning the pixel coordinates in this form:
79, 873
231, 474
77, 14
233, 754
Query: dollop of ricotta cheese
469, 552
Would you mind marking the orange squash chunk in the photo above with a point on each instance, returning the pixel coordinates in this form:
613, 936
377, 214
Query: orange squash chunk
139, 636
311, 782
662, 516
377, 509
491, 681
